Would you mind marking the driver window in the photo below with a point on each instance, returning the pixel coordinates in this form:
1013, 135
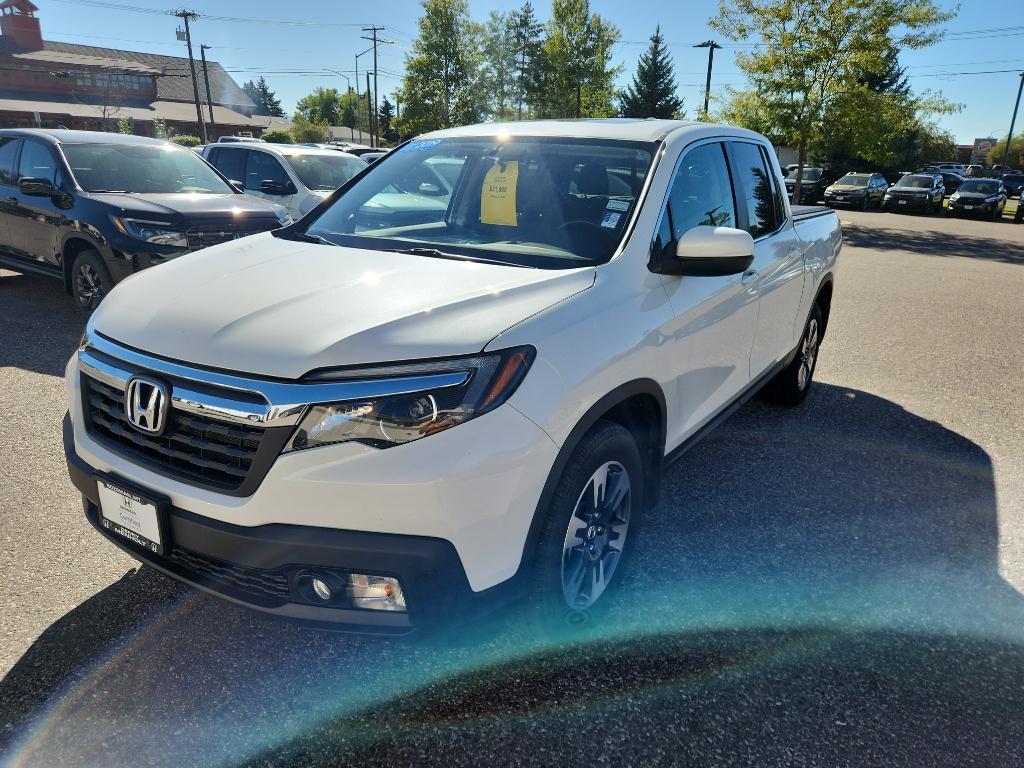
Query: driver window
260, 167
37, 162
701, 194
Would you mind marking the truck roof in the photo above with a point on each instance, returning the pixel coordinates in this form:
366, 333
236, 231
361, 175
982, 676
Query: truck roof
65, 136
622, 128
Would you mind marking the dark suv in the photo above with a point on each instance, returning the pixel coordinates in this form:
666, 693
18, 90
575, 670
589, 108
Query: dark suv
91, 208
916, 191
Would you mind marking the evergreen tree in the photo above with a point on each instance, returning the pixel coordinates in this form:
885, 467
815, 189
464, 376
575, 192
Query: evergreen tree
527, 42
386, 119
499, 54
653, 91
266, 101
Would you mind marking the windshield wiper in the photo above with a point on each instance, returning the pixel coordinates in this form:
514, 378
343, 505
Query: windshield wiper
111, 191
305, 237
436, 253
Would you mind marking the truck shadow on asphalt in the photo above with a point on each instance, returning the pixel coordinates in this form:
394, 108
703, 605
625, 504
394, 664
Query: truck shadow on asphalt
816, 586
935, 242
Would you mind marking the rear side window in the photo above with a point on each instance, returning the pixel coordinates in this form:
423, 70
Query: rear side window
229, 162
37, 162
260, 167
8, 149
755, 184
701, 194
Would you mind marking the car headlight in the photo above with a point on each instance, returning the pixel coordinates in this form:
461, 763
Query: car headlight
954, 197
150, 231
490, 379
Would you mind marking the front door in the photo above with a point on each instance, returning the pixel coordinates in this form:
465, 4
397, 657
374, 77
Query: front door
8, 193
712, 329
263, 166
776, 276
35, 225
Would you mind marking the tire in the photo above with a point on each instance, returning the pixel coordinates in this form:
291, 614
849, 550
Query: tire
928, 208
864, 203
556, 600
90, 280
791, 385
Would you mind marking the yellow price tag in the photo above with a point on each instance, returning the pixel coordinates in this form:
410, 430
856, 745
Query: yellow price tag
498, 195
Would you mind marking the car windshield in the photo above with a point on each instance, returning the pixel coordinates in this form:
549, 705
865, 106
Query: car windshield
915, 182
537, 202
325, 172
853, 180
810, 174
984, 187
142, 168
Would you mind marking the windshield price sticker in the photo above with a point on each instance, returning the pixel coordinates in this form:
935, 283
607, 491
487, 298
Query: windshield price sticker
498, 194
423, 145
618, 205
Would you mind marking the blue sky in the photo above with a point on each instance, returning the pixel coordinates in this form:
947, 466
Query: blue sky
292, 50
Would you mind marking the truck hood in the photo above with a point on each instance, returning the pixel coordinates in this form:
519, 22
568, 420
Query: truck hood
280, 308
182, 204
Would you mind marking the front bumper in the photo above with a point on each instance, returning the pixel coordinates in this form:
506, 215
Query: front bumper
256, 566
846, 199
906, 203
976, 209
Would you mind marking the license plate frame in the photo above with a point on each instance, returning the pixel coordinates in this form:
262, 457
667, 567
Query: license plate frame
902, 202
135, 514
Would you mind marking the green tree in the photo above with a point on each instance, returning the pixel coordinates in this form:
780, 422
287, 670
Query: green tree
439, 74
811, 52
1015, 158
266, 101
575, 77
653, 90
499, 61
323, 105
527, 44
306, 131
277, 137
386, 119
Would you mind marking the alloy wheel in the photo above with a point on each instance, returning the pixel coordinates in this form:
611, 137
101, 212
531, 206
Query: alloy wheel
596, 535
90, 286
808, 354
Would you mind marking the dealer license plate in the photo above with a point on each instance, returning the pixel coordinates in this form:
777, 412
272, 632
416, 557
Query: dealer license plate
968, 207
903, 202
129, 515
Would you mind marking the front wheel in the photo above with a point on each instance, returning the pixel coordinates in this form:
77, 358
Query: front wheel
791, 385
588, 528
90, 280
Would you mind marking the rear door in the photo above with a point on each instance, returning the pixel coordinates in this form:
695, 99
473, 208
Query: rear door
8, 192
776, 276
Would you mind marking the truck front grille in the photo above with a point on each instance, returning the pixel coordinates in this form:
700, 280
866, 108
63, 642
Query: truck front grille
195, 449
214, 233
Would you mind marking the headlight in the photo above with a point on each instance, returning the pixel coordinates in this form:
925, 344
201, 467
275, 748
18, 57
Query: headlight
283, 217
954, 197
151, 232
396, 419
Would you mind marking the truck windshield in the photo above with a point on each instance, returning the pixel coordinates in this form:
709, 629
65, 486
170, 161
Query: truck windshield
810, 174
915, 182
538, 202
325, 172
151, 169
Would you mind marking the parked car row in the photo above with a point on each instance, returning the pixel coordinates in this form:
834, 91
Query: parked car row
91, 208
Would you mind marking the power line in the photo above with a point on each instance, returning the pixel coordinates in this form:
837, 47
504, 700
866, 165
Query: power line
233, 19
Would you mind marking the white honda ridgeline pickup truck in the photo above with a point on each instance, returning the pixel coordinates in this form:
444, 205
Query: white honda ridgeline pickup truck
457, 380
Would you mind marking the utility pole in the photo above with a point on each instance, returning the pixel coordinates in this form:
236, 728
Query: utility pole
375, 123
398, 113
358, 97
1013, 122
188, 16
712, 46
369, 109
206, 79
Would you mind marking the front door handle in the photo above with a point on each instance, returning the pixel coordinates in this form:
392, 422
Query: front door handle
749, 275
12, 200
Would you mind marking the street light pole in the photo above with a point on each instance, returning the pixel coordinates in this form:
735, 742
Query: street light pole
374, 122
370, 127
206, 79
712, 46
1013, 121
187, 16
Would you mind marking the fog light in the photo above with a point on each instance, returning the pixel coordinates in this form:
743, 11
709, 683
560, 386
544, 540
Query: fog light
322, 589
378, 593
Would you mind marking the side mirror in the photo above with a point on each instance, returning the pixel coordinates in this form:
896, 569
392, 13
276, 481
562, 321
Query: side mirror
268, 187
711, 252
34, 187
432, 190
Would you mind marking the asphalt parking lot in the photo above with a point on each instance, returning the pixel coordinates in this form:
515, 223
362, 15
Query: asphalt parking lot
842, 584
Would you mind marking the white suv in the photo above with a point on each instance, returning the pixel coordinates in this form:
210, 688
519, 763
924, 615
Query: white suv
299, 178
460, 381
